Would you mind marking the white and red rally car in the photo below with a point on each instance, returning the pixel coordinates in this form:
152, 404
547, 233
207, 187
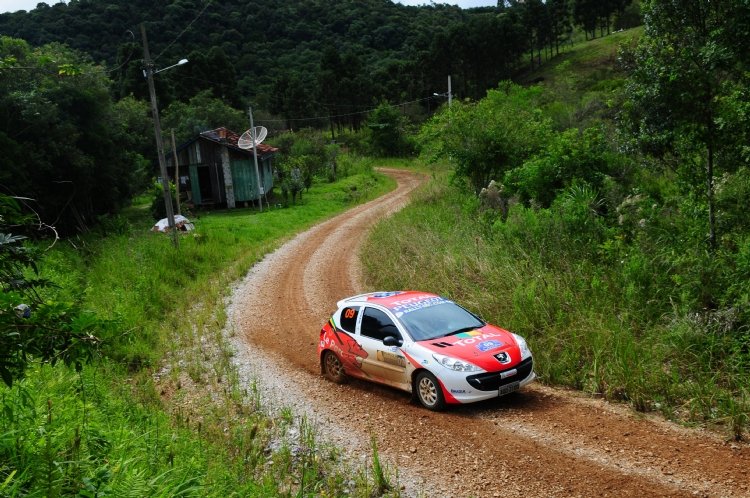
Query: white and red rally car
424, 344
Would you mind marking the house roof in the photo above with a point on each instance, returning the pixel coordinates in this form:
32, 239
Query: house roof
229, 138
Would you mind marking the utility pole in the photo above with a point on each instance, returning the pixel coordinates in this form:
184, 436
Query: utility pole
255, 158
148, 72
450, 94
176, 172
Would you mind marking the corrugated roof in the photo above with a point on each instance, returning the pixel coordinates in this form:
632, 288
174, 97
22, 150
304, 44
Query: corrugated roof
225, 136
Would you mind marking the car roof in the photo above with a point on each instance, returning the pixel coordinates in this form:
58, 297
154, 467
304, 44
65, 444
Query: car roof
389, 299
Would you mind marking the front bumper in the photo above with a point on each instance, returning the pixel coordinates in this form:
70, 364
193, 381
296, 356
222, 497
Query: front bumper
488, 385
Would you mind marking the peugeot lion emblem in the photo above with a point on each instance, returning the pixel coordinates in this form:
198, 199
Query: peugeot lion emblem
503, 357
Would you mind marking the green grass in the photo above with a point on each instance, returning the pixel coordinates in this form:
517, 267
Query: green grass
524, 276
588, 57
161, 412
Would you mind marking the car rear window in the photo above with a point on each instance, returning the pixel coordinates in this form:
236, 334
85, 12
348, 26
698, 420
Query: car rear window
348, 318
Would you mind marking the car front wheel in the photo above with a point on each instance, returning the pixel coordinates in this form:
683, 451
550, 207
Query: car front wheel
429, 391
333, 369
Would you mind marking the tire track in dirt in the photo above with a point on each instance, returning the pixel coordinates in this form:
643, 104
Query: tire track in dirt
541, 441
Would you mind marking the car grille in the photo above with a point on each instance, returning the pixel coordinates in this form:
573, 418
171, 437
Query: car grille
493, 380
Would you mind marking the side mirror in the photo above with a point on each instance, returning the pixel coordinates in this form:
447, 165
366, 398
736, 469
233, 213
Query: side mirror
392, 341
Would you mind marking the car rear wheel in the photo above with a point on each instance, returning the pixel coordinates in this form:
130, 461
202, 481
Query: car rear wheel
429, 392
333, 369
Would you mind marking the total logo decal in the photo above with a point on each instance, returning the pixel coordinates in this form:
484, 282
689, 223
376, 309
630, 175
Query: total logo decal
475, 336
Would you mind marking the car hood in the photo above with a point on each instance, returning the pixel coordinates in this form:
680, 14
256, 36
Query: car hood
488, 347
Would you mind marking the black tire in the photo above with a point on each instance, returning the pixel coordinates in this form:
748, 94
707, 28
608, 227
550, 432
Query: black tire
333, 369
428, 391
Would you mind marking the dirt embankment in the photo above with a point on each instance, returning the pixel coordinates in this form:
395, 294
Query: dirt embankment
539, 442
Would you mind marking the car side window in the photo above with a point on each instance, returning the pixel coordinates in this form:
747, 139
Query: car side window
378, 325
348, 319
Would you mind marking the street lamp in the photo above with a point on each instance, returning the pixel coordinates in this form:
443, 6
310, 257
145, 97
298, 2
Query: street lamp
148, 73
181, 62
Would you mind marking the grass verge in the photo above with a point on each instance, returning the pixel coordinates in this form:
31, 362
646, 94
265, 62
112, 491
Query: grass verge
161, 412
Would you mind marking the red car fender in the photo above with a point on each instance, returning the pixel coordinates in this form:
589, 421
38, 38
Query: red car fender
449, 398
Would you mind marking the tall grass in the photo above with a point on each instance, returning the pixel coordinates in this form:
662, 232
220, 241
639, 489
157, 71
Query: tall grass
161, 412
527, 275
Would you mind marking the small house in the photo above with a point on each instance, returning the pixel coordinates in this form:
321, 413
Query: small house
214, 172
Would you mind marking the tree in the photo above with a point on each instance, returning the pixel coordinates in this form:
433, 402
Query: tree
490, 137
686, 87
203, 112
586, 15
387, 125
291, 99
60, 135
207, 70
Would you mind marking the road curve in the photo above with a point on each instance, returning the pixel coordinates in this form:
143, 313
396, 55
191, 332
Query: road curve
539, 442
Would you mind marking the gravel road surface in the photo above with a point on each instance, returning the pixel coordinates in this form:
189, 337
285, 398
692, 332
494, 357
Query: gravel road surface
539, 442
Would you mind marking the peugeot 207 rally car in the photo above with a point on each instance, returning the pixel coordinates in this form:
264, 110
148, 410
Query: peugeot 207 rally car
424, 344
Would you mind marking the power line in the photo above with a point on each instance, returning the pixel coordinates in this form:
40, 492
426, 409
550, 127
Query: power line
367, 111
184, 30
127, 59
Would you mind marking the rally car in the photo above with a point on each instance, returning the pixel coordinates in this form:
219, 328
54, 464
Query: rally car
424, 344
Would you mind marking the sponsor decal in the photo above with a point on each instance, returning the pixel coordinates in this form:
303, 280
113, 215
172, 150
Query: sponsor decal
441, 344
474, 337
503, 357
485, 346
416, 303
458, 391
391, 359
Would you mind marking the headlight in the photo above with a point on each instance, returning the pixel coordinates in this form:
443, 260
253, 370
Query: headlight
525, 351
454, 364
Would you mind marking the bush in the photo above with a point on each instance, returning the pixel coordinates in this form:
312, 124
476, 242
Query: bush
158, 209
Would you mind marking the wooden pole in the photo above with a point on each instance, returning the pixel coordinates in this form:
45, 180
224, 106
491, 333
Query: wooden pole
148, 72
176, 172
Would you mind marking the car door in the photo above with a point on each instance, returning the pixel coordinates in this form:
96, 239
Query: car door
348, 343
382, 363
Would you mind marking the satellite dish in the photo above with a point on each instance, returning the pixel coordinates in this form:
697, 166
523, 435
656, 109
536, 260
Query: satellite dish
246, 139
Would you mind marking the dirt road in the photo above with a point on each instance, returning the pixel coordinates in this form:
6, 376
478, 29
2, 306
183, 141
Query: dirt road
538, 442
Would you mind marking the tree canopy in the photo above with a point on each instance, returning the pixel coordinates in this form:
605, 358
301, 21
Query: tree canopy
61, 137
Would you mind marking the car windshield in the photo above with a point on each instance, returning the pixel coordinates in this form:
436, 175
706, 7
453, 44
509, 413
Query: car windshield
440, 320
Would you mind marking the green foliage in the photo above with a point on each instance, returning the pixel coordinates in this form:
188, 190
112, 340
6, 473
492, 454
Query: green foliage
133, 116
312, 63
201, 113
569, 156
32, 328
388, 131
688, 65
61, 137
158, 208
479, 138
304, 156
120, 427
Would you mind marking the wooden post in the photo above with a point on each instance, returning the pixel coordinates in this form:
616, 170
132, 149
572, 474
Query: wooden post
176, 172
